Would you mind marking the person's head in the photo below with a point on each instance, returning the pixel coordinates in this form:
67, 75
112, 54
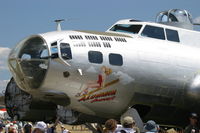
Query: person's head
193, 118
151, 126
111, 125
62, 127
172, 130
48, 125
12, 129
14, 122
40, 127
128, 122
28, 128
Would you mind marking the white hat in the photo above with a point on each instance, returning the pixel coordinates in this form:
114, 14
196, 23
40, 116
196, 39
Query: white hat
62, 126
41, 125
127, 120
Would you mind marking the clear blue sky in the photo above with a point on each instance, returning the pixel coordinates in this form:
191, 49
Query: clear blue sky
21, 18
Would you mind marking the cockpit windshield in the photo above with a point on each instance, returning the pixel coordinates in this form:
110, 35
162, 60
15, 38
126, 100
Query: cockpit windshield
126, 28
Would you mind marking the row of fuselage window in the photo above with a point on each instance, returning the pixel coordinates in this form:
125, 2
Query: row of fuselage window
97, 57
93, 56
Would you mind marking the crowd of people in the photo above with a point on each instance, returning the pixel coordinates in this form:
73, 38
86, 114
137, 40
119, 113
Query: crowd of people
128, 125
28, 127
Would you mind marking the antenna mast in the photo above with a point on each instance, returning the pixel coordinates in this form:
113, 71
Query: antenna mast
58, 22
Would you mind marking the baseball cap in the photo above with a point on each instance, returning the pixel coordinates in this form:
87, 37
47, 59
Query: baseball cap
151, 126
41, 125
127, 120
194, 115
62, 126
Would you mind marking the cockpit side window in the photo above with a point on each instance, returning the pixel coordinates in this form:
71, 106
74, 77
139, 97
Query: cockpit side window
172, 35
126, 28
153, 32
65, 51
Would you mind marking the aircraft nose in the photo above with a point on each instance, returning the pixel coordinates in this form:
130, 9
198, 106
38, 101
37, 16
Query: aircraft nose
29, 61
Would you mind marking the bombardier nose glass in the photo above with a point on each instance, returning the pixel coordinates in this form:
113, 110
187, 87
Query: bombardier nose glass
33, 62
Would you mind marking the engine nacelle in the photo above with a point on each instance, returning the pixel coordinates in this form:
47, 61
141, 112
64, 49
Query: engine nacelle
21, 106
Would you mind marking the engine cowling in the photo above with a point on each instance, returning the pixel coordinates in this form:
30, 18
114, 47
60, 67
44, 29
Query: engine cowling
21, 105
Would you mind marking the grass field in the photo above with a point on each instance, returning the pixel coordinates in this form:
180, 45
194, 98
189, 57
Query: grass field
74, 129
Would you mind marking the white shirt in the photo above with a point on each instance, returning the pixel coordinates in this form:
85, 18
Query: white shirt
127, 130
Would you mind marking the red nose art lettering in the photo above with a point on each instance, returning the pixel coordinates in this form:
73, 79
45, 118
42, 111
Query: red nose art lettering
103, 96
103, 99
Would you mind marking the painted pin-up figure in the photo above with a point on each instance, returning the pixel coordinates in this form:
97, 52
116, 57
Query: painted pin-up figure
99, 83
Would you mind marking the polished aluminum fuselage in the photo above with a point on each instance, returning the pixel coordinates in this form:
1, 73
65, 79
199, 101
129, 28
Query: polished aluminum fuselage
158, 74
150, 67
